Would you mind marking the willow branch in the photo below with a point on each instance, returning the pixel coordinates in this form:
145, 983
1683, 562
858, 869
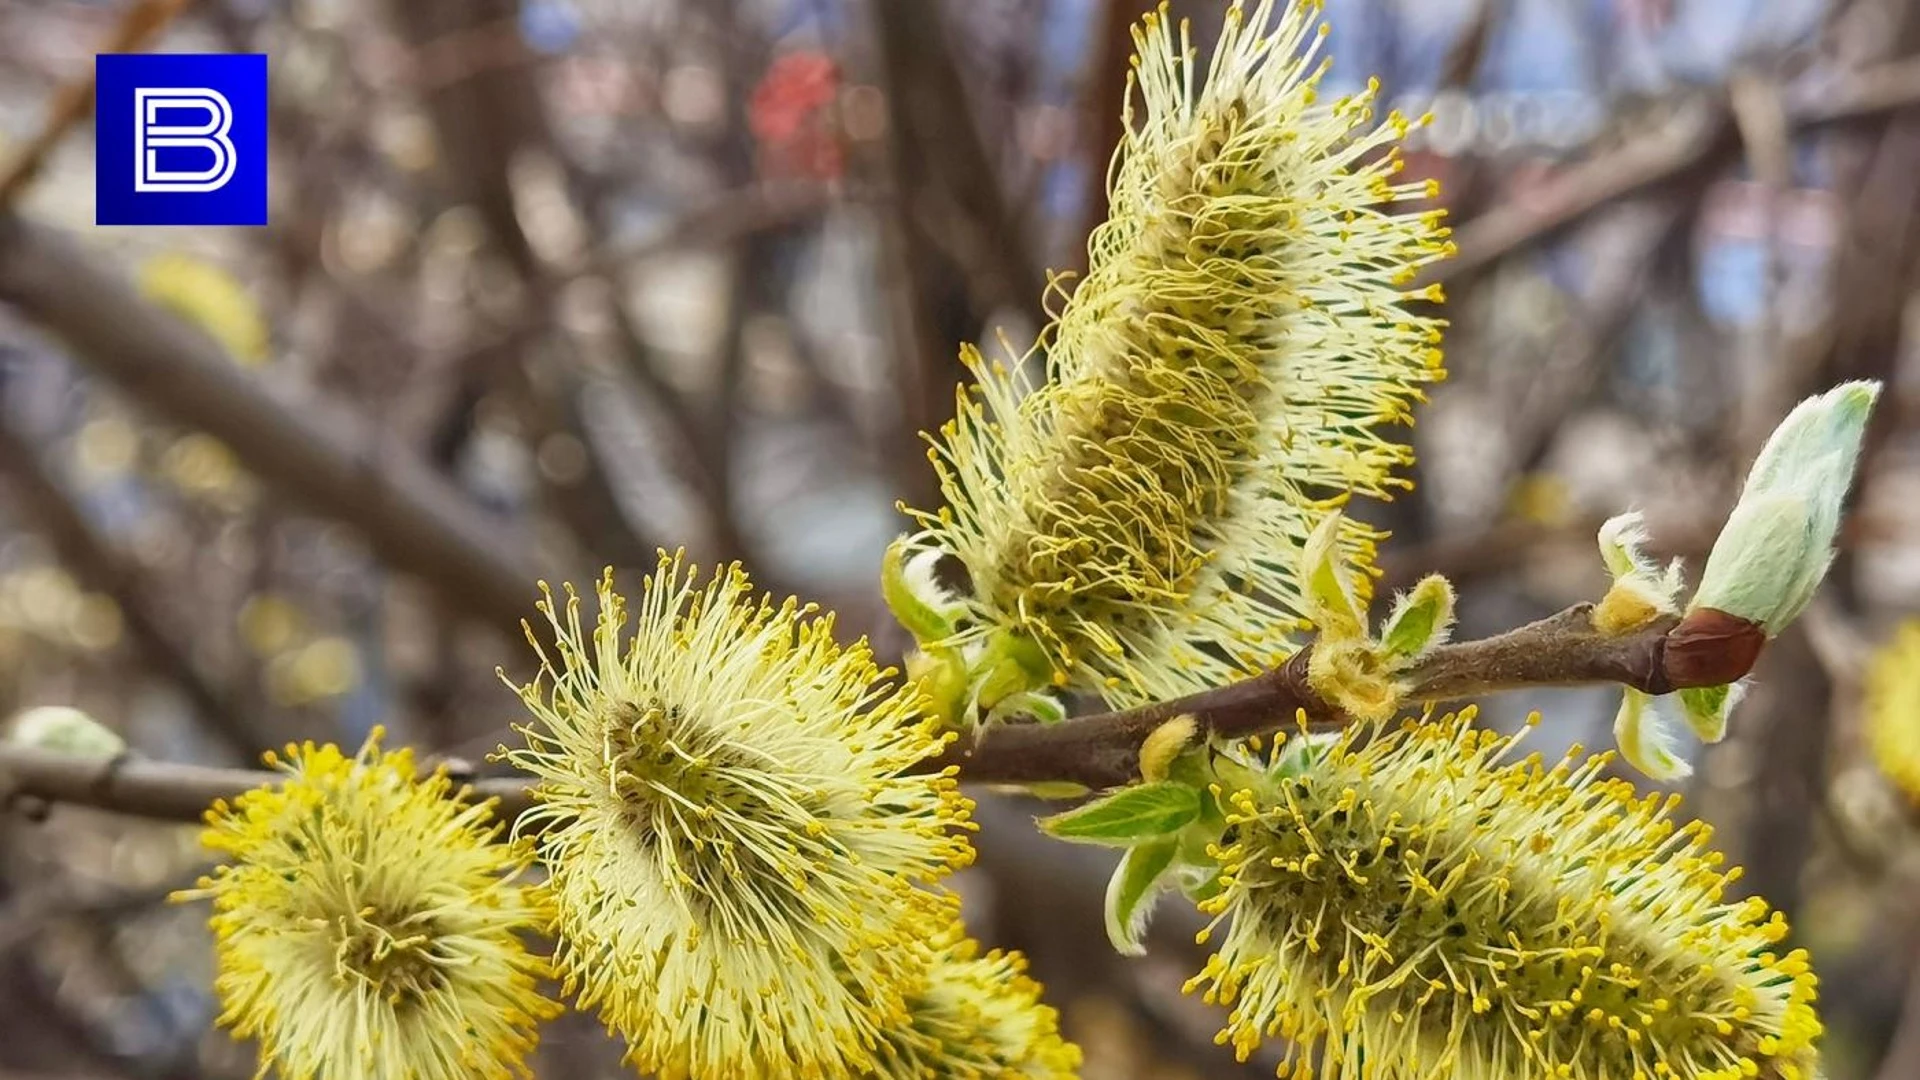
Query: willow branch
1100, 750
164, 790
1562, 650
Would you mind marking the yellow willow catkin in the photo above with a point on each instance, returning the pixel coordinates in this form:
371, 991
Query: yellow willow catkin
1214, 384
741, 859
1893, 710
1414, 906
976, 1016
369, 924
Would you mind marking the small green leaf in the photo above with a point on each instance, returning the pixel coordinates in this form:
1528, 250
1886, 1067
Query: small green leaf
1621, 537
1817, 444
1009, 664
1642, 735
65, 730
1053, 789
1767, 561
1778, 542
1330, 604
1420, 621
1707, 708
1193, 767
1195, 839
941, 675
1131, 892
913, 595
1127, 816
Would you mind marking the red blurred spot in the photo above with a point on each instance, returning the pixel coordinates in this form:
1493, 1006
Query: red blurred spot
792, 118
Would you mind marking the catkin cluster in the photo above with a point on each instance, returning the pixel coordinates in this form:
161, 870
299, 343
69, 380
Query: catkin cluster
1893, 710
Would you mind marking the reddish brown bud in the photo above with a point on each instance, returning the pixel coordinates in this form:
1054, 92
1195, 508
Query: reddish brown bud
1711, 648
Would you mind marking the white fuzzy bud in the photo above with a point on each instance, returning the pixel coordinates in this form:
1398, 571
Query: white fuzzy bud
1778, 542
64, 730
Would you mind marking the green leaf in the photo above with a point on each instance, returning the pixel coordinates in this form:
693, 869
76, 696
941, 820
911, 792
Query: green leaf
1052, 789
1131, 891
913, 595
941, 675
1816, 446
1641, 733
65, 730
1127, 816
1193, 767
1767, 561
1330, 604
1707, 708
1195, 839
1009, 664
1420, 621
1778, 542
1621, 537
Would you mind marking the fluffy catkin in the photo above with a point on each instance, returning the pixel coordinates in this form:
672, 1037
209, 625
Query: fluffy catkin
976, 1016
1414, 905
1215, 384
741, 862
369, 925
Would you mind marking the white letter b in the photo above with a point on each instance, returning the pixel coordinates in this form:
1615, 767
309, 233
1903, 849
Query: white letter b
150, 136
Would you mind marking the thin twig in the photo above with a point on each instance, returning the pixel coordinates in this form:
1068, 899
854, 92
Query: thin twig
1694, 138
137, 26
165, 790
1098, 751
1562, 650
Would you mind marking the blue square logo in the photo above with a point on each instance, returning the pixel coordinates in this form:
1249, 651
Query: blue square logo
180, 139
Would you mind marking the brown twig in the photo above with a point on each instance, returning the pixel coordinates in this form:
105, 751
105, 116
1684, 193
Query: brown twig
1562, 650
137, 26
1100, 750
164, 790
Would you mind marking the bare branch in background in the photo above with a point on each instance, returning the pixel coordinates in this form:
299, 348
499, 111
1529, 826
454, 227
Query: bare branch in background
318, 455
95, 562
1903, 1057
1698, 134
